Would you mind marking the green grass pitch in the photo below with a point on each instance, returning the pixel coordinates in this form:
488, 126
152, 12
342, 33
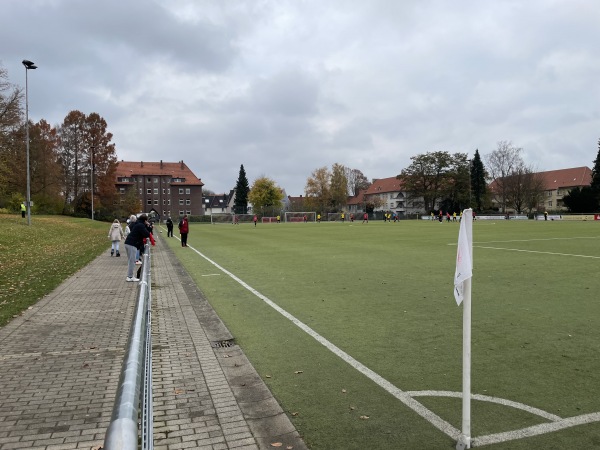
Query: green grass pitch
382, 293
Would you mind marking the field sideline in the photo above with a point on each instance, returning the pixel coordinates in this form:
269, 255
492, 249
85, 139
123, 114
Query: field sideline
382, 294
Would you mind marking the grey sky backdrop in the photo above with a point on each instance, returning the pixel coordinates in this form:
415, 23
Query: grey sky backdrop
288, 86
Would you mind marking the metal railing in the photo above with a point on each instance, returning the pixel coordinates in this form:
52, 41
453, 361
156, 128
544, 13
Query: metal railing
134, 394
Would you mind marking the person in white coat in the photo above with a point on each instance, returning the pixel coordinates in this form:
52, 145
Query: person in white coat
115, 234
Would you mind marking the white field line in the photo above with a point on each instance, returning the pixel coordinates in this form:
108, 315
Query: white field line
539, 239
535, 430
406, 397
490, 399
427, 414
535, 251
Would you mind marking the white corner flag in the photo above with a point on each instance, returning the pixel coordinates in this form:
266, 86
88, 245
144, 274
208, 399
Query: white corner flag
462, 291
464, 255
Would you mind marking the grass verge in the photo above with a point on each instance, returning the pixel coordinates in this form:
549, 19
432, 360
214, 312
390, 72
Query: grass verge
35, 259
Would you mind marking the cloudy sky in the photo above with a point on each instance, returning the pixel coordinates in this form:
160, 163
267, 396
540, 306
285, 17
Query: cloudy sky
287, 86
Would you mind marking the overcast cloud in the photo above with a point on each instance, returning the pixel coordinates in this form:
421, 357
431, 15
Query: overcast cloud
288, 86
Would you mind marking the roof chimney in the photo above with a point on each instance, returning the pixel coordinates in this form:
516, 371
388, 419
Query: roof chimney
161, 166
141, 163
182, 164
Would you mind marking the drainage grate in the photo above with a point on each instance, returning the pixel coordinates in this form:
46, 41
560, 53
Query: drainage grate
223, 344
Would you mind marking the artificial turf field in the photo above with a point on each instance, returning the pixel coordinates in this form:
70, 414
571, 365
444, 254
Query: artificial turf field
382, 293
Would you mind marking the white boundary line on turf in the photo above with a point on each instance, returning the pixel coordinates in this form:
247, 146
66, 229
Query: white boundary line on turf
538, 239
413, 404
535, 251
406, 398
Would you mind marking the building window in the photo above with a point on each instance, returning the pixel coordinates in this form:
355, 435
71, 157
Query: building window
155, 191
122, 190
141, 191
181, 201
169, 202
164, 202
188, 212
188, 201
155, 180
181, 190
164, 191
149, 202
156, 201
140, 179
148, 180
187, 191
148, 191
550, 203
181, 213
169, 191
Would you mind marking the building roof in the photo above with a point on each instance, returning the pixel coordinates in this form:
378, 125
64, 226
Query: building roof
358, 199
384, 185
145, 168
564, 178
216, 200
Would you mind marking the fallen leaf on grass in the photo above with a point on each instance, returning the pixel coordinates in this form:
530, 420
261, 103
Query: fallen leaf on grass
364, 417
295, 413
276, 444
344, 391
298, 371
267, 376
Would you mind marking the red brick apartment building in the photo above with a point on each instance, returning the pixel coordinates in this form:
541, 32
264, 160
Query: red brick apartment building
170, 189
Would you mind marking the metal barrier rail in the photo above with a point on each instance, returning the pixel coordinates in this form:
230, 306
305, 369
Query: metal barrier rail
135, 381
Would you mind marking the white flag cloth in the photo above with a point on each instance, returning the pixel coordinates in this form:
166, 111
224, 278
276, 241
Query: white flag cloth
464, 255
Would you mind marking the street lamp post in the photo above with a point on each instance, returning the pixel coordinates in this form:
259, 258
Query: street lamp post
28, 65
92, 179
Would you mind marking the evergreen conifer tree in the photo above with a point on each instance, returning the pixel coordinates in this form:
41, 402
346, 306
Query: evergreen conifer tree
240, 204
478, 184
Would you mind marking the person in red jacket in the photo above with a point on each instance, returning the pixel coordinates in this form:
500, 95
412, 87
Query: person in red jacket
184, 229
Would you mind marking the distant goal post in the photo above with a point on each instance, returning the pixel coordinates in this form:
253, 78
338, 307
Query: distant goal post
300, 216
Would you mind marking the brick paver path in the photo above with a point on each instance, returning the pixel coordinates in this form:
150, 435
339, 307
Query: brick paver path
60, 364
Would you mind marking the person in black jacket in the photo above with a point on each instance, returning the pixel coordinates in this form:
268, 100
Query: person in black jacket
169, 227
134, 242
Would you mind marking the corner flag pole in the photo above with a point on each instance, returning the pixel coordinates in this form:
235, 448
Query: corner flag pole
462, 293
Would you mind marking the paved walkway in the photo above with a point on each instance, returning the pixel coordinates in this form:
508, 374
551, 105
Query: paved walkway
60, 364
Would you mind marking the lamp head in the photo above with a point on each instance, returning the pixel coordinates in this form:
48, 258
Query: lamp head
29, 65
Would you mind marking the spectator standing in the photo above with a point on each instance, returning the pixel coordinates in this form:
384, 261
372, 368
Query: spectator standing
134, 242
23, 210
184, 229
115, 234
169, 227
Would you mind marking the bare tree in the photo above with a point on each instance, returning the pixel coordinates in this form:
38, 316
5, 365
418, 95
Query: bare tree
11, 139
357, 181
524, 189
501, 163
